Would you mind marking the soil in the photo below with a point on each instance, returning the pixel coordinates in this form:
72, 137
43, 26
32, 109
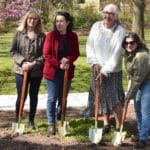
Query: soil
39, 142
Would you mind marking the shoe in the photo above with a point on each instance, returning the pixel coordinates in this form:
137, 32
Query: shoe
31, 125
134, 139
106, 129
58, 117
51, 129
140, 144
117, 129
87, 113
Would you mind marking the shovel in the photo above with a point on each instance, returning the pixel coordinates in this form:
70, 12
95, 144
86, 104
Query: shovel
18, 128
64, 124
120, 136
95, 134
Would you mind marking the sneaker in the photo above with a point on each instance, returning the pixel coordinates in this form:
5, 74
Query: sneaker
51, 130
140, 144
31, 125
106, 129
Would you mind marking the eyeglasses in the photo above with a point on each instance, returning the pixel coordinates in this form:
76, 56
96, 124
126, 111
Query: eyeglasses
131, 43
111, 14
32, 18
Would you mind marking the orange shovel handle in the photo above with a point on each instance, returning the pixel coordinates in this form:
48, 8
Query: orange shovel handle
125, 111
97, 99
25, 76
64, 96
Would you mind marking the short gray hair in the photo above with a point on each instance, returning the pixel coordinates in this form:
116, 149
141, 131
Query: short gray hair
112, 6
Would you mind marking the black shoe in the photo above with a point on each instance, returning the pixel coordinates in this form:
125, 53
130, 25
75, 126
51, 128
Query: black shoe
31, 125
51, 129
140, 144
87, 113
106, 129
134, 139
117, 129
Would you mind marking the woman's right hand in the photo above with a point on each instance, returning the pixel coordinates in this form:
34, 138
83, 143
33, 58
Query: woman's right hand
26, 66
96, 69
64, 64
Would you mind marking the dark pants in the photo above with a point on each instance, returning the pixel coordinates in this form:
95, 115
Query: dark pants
33, 85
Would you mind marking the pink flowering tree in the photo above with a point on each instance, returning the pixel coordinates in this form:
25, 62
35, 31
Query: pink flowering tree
13, 10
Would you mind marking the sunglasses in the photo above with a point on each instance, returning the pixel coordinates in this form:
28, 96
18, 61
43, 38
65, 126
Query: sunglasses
131, 43
111, 14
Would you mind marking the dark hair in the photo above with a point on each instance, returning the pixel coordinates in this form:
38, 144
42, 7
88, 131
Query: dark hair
67, 17
135, 37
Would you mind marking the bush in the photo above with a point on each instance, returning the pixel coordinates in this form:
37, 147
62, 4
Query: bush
84, 18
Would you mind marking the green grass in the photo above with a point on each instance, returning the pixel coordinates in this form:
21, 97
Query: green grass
7, 81
78, 128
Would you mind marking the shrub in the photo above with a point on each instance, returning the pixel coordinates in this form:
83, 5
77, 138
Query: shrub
84, 18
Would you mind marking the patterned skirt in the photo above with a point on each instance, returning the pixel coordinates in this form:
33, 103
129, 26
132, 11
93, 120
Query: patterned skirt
111, 93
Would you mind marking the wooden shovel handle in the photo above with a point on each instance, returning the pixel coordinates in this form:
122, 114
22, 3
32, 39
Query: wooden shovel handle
97, 99
125, 111
64, 96
25, 76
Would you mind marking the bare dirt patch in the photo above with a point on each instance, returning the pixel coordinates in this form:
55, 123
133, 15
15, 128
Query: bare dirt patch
39, 142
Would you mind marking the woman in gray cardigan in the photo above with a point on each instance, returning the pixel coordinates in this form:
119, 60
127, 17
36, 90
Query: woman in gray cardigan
26, 51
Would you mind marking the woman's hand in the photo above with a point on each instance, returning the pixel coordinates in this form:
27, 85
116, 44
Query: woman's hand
100, 77
64, 64
27, 66
96, 69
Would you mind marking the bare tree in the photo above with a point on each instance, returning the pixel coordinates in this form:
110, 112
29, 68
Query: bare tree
138, 17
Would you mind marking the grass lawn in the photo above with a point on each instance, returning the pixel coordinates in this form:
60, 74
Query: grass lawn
7, 82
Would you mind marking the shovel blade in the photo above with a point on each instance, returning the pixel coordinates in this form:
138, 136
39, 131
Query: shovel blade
95, 135
118, 138
18, 128
63, 130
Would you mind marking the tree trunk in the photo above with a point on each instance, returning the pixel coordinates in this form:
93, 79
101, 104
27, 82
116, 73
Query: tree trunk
138, 17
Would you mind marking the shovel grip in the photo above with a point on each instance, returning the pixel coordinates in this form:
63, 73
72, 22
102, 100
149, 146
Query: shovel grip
25, 76
97, 96
64, 96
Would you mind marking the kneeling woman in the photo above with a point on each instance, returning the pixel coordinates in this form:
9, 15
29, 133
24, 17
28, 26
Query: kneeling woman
137, 61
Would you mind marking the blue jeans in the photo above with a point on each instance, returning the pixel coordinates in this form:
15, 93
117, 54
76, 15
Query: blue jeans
55, 89
142, 110
33, 83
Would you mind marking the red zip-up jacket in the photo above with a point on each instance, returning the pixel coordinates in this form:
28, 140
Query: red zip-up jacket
50, 53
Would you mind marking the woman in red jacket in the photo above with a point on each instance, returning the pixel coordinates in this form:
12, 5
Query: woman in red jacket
61, 49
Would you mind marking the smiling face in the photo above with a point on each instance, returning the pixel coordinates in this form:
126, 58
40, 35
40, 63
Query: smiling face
32, 21
130, 44
109, 16
61, 24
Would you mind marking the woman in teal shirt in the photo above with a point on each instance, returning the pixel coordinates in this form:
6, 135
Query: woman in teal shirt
137, 62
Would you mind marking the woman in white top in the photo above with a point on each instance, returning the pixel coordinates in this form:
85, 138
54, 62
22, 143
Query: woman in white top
104, 54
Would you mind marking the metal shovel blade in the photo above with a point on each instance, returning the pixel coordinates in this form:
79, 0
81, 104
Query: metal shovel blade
95, 135
119, 137
63, 130
17, 128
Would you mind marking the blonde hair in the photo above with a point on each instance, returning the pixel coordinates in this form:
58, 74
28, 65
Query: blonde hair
23, 24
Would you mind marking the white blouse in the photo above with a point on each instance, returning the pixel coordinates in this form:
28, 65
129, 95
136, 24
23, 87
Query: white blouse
104, 47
